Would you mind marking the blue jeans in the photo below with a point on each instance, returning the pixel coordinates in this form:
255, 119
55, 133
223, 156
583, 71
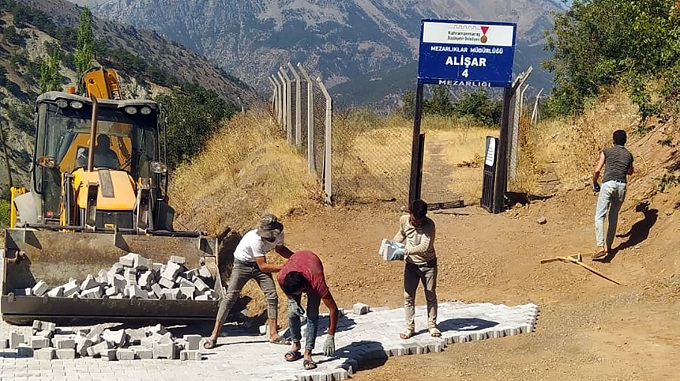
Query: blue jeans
295, 312
612, 194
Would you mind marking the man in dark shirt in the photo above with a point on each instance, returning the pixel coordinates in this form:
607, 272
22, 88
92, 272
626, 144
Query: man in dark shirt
303, 273
618, 163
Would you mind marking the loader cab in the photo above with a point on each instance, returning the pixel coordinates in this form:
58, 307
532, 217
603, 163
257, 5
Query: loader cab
126, 145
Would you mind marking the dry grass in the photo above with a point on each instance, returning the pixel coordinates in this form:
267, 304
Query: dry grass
247, 169
569, 147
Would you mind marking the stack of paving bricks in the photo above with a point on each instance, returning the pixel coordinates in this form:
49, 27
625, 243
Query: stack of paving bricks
154, 342
135, 277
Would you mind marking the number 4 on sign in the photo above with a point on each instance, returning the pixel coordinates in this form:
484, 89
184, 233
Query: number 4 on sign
465, 73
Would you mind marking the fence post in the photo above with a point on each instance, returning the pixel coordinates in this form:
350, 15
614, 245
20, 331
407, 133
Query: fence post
516, 111
298, 109
283, 100
274, 95
289, 105
311, 160
327, 143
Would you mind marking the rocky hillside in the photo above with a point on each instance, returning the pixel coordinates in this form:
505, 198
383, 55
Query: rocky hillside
338, 40
153, 48
25, 43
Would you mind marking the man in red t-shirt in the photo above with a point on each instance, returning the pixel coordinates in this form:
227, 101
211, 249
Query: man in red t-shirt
303, 272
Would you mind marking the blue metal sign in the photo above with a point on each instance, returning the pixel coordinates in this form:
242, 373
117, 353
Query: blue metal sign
466, 53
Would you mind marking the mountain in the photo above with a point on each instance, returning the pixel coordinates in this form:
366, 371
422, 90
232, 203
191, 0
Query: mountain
340, 41
152, 48
147, 64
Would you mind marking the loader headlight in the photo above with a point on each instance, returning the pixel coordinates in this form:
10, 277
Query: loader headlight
146, 110
76, 105
157, 167
62, 103
47, 161
131, 110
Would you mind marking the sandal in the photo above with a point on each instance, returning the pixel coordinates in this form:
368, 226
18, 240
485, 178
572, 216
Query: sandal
407, 334
292, 356
279, 340
434, 332
309, 364
600, 255
210, 343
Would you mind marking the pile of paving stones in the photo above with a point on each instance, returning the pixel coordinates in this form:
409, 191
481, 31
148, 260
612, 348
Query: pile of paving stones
49, 342
135, 277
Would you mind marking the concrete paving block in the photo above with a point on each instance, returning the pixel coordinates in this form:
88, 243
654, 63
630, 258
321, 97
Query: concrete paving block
135, 336
193, 341
64, 343
143, 263
65, 354
526, 328
95, 333
142, 353
115, 337
158, 267
134, 292
82, 343
16, 338
56, 292
171, 293
187, 292
361, 308
101, 277
92, 293
44, 353
178, 260
192, 355
37, 325
130, 277
166, 283
108, 354
165, 338
100, 349
38, 342
125, 354
110, 291
166, 351
128, 260
40, 288
88, 283
71, 288
204, 272
23, 350
4, 344
200, 284
202, 297
171, 271
185, 282
144, 280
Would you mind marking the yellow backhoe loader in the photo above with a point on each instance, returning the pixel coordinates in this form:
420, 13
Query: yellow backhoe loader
97, 193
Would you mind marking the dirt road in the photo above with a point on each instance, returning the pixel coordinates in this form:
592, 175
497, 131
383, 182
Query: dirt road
588, 329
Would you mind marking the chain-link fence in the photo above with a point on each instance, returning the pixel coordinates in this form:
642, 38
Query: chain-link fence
369, 159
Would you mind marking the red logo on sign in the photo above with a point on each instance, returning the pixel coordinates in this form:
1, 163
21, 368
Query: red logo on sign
484, 39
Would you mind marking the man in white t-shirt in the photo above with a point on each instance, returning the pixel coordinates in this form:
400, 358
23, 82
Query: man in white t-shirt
250, 262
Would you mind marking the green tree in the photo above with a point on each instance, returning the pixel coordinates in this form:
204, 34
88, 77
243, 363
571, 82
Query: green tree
50, 77
84, 53
440, 103
601, 43
193, 115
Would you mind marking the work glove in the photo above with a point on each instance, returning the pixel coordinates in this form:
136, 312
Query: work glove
397, 255
596, 187
329, 346
299, 311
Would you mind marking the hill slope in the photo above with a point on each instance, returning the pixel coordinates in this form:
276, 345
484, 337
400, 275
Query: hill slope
337, 40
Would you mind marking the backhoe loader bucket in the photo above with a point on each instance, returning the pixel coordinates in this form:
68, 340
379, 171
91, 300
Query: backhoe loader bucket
56, 256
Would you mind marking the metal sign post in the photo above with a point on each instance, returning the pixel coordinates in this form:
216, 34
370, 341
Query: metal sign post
461, 53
